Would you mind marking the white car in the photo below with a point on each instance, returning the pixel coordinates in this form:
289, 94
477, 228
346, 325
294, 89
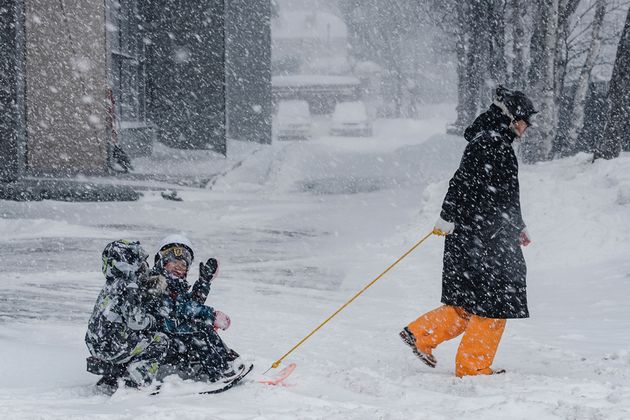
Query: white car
294, 120
351, 119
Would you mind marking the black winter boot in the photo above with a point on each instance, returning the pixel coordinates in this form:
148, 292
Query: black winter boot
107, 385
410, 340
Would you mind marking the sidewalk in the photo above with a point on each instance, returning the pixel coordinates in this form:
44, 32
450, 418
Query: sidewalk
165, 170
37, 189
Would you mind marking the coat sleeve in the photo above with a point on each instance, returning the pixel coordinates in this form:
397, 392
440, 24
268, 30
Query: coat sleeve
189, 310
511, 205
133, 310
467, 183
517, 214
200, 291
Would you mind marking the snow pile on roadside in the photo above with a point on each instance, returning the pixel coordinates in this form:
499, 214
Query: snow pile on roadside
580, 212
165, 162
345, 166
577, 212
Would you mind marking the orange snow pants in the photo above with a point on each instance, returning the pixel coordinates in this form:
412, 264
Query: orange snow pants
478, 346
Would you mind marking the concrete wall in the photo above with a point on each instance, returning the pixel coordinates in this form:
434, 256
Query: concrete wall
65, 87
10, 115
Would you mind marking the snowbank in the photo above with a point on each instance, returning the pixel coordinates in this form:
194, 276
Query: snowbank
346, 166
300, 227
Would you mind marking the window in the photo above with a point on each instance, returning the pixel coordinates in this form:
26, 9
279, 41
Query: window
126, 60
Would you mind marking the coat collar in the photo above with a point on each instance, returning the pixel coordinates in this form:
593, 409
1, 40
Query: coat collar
492, 120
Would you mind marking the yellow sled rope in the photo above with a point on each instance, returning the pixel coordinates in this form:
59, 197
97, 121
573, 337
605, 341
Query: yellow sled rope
277, 362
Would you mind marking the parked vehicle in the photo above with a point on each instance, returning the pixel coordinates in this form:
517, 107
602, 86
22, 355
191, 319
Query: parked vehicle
294, 120
351, 119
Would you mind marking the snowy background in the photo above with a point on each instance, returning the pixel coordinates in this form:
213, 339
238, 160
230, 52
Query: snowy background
299, 227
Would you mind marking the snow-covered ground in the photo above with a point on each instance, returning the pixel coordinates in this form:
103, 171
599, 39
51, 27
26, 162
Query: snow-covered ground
299, 227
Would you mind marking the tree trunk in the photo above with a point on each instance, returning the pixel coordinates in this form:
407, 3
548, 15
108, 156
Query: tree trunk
496, 21
617, 124
476, 57
536, 46
518, 44
537, 147
579, 101
476, 60
566, 10
561, 61
463, 113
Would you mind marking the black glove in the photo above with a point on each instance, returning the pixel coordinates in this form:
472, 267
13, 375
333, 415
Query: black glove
210, 270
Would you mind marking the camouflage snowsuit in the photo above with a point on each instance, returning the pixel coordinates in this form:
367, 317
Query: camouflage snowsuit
121, 330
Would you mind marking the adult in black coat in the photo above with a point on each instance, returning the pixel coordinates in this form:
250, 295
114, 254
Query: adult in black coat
484, 269
483, 280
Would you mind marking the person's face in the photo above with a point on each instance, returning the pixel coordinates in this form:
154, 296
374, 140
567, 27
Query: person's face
519, 127
177, 268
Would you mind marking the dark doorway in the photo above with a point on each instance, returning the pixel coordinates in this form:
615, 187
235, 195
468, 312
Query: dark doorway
249, 105
185, 56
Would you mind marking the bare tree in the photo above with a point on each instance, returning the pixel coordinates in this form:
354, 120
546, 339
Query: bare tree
497, 69
566, 9
538, 146
476, 56
618, 121
564, 38
576, 120
460, 50
518, 12
481, 61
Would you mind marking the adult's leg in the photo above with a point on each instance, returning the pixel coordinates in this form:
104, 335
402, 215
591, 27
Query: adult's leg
437, 326
478, 346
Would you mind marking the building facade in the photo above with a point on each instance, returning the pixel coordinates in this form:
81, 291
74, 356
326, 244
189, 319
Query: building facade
308, 42
81, 76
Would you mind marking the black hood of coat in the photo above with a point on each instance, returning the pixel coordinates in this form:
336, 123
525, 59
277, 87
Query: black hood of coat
492, 120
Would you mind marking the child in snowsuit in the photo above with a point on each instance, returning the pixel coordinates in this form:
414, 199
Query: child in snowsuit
123, 337
197, 352
483, 281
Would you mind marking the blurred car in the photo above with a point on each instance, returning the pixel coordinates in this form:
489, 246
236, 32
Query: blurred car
351, 119
294, 120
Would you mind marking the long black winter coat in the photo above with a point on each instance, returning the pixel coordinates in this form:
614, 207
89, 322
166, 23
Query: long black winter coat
484, 269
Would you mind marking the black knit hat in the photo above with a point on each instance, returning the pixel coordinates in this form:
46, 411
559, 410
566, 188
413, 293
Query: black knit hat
517, 103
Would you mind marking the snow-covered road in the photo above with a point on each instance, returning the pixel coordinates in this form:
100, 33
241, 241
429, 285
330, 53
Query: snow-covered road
301, 226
